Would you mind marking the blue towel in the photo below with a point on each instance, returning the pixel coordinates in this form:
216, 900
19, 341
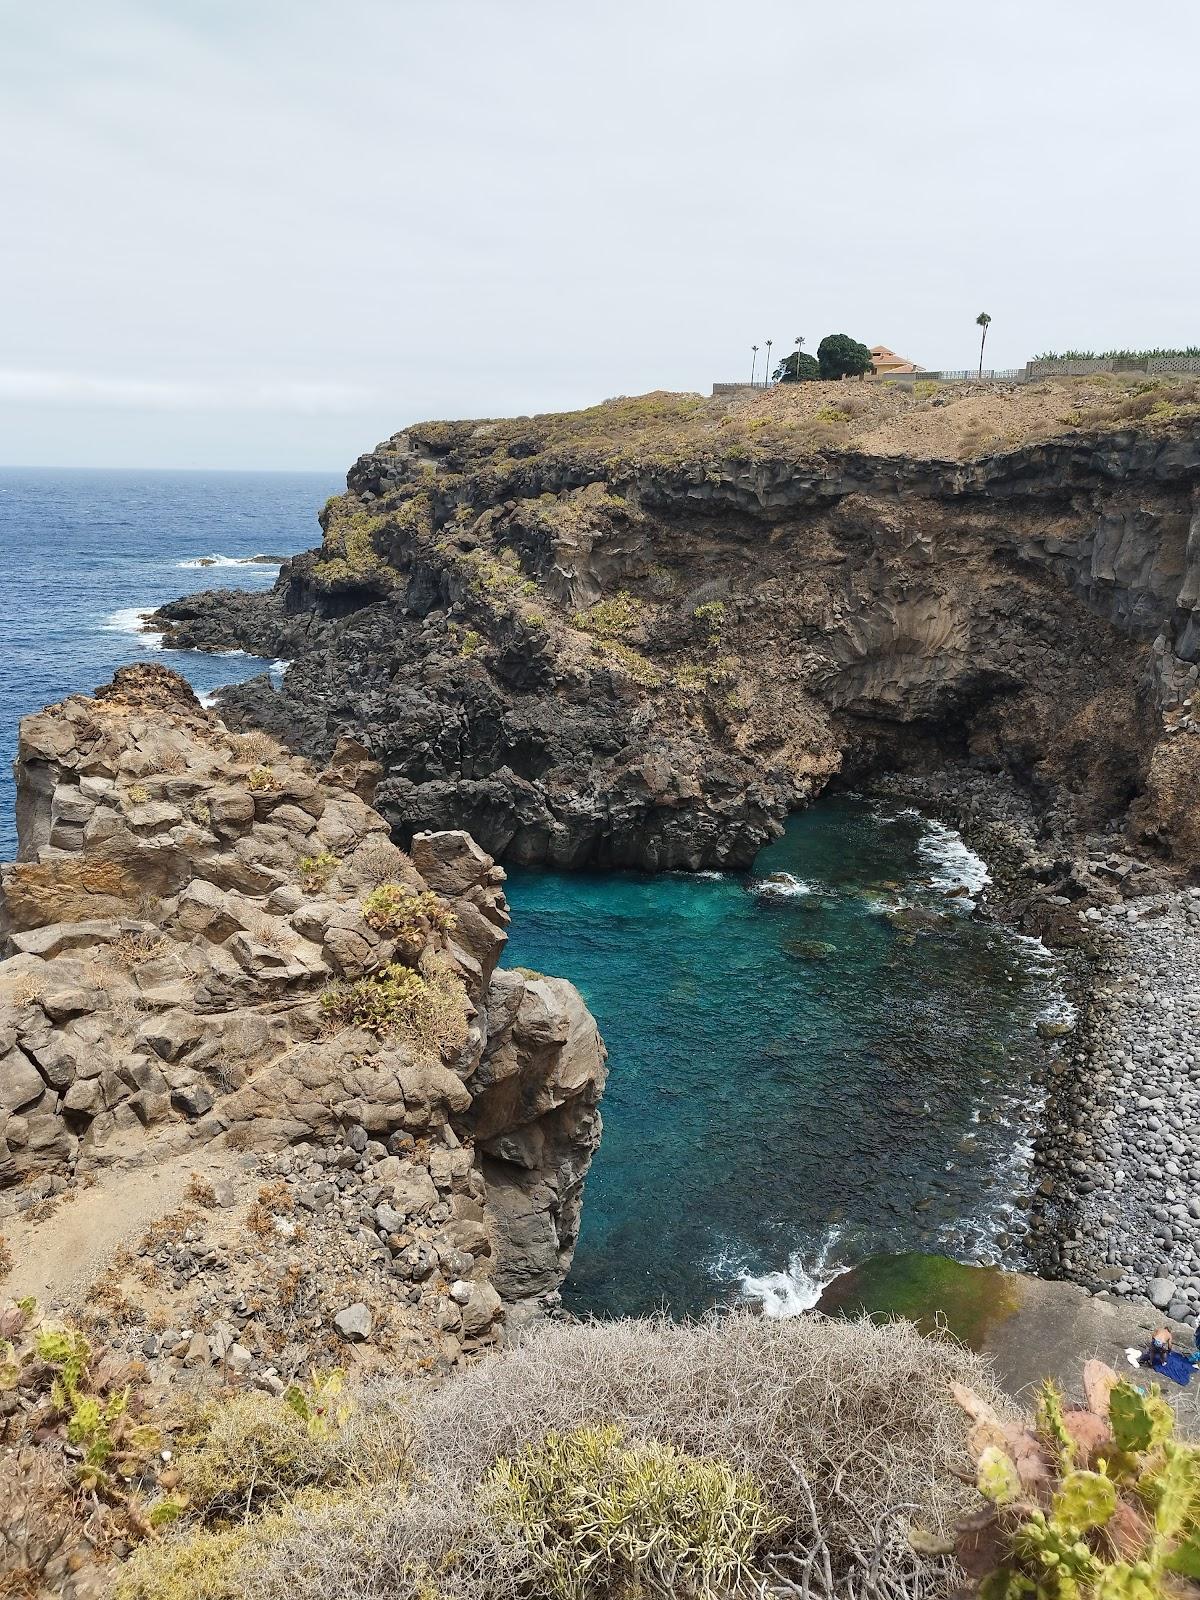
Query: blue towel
1176, 1367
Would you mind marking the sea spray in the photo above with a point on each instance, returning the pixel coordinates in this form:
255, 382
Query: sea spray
789, 1292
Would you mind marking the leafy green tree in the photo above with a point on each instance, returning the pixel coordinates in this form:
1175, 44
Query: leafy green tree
840, 356
982, 321
799, 367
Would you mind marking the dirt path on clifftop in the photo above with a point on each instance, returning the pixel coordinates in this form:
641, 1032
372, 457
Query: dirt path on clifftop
58, 1258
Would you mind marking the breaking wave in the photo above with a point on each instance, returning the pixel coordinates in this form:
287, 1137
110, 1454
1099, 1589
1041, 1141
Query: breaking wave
781, 886
217, 560
132, 620
950, 861
797, 1288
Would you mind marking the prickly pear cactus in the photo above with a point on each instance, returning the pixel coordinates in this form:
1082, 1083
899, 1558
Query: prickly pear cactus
997, 1478
1175, 1488
1138, 1421
1128, 1530
1051, 1425
1123, 1581
1084, 1500
1055, 1546
68, 1351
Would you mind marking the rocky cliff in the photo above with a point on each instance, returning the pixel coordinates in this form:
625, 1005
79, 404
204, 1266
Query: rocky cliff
212, 947
589, 639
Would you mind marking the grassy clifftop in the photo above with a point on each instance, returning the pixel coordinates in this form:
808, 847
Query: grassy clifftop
925, 420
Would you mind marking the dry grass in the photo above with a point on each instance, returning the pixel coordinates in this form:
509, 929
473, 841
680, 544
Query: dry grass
171, 760
25, 989
131, 950
274, 934
257, 1451
379, 861
427, 1010
848, 1430
255, 747
924, 420
200, 1192
6, 1257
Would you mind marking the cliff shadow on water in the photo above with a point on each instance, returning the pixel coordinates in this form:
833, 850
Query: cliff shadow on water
830, 1057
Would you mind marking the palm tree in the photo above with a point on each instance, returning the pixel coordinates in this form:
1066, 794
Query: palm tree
982, 321
753, 363
767, 372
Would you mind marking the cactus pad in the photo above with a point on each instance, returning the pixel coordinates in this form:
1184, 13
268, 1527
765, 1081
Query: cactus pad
1122, 1581
1138, 1421
1084, 1500
997, 1477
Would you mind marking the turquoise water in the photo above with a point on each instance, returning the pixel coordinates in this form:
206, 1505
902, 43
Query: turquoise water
802, 1072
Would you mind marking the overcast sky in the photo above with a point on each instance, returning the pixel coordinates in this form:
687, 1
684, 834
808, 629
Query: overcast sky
267, 233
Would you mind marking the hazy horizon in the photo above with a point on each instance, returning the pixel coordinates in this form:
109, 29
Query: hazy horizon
266, 237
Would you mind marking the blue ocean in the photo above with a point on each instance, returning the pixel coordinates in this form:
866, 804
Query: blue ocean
82, 554
829, 1056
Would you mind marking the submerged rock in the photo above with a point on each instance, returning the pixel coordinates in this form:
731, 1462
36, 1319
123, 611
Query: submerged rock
809, 949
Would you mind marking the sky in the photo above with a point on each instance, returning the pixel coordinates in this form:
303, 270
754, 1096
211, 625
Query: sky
269, 233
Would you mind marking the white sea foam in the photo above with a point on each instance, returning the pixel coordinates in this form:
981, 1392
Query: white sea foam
885, 813
208, 698
951, 862
796, 1289
1040, 961
279, 667
781, 886
132, 619
217, 560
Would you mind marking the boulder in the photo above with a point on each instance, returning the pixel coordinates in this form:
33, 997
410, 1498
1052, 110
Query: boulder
355, 1322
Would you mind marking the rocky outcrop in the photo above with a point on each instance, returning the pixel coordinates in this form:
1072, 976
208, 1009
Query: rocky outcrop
212, 944
640, 661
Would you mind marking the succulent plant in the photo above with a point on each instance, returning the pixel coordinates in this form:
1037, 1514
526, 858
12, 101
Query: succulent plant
1095, 1503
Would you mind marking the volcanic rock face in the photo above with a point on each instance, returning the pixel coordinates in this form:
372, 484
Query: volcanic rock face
650, 662
210, 943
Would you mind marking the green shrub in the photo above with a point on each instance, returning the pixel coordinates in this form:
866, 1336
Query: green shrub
633, 664
471, 641
255, 1451
261, 780
712, 614
426, 1011
405, 914
614, 618
316, 871
601, 1517
691, 677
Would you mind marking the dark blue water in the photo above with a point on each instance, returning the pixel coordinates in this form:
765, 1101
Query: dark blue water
81, 552
802, 1072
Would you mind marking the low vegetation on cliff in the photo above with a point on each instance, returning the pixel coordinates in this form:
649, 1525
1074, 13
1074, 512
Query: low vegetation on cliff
735, 1457
922, 420
634, 1458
